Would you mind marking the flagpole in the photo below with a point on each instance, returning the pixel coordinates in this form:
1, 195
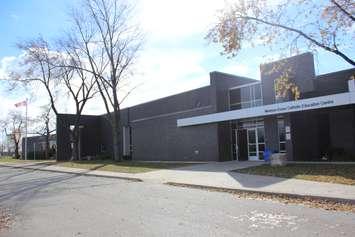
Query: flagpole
26, 132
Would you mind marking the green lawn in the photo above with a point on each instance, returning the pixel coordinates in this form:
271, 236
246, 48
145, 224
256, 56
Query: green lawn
123, 167
331, 173
9, 159
106, 165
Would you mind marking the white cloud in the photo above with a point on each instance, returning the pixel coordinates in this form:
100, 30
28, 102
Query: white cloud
9, 99
164, 19
237, 69
166, 72
5, 65
35, 93
162, 70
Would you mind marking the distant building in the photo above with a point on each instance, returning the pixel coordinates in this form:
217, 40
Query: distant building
233, 118
36, 146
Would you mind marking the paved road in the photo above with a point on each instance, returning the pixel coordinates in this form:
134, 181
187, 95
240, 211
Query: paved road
220, 174
53, 204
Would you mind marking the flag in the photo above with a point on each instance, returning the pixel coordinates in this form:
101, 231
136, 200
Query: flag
22, 103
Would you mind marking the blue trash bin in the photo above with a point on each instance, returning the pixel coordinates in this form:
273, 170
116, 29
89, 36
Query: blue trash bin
267, 154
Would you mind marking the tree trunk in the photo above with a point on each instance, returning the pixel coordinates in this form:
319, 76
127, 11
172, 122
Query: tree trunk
116, 126
75, 141
47, 142
76, 149
17, 155
116, 136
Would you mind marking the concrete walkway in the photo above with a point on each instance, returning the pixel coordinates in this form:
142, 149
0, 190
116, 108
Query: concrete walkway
220, 175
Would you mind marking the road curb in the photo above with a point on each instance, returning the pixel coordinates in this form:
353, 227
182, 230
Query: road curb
75, 173
245, 191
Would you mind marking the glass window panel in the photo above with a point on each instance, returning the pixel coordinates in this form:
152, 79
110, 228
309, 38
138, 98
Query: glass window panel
257, 92
281, 129
261, 134
282, 136
252, 148
249, 96
252, 153
247, 104
282, 146
261, 147
258, 103
251, 136
245, 94
236, 106
235, 96
261, 155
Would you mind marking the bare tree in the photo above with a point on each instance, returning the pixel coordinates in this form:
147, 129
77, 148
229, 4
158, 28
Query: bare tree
13, 126
45, 127
105, 40
37, 66
288, 24
57, 70
81, 87
2, 148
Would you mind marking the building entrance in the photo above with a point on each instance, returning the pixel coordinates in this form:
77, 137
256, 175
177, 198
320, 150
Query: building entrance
250, 141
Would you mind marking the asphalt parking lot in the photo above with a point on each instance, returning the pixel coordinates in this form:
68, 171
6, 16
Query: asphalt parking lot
54, 204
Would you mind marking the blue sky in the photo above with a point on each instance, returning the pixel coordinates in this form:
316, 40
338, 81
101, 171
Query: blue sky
22, 19
176, 57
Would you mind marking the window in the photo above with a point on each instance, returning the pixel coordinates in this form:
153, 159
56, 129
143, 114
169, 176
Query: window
103, 148
245, 97
282, 135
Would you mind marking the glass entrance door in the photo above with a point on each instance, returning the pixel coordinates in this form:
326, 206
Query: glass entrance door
256, 143
252, 144
261, 142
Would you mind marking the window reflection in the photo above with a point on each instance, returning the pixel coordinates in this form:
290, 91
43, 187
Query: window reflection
246, 97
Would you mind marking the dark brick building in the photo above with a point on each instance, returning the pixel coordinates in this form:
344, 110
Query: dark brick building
233, 118
36, 146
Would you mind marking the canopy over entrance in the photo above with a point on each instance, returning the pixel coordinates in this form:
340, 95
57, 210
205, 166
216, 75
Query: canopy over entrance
340, 99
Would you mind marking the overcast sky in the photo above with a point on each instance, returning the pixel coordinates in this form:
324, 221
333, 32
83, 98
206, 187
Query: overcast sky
175, 58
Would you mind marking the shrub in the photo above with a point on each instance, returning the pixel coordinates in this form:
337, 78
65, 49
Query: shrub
103, 156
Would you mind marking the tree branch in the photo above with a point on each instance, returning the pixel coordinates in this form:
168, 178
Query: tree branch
348, 14
304, 35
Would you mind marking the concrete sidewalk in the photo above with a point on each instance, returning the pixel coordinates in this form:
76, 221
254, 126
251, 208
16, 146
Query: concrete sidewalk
219, 175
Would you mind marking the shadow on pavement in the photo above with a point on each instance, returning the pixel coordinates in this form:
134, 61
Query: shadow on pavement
23, 190
255, 181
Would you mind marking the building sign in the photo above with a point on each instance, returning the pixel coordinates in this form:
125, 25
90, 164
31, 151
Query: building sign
280, 108
300, 106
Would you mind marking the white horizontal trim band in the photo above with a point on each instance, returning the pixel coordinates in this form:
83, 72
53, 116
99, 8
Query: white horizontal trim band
171, 114
245, 85
280, 108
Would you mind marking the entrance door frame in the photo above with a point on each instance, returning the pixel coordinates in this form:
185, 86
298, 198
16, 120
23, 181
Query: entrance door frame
240, 145
236, 144
256, 157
